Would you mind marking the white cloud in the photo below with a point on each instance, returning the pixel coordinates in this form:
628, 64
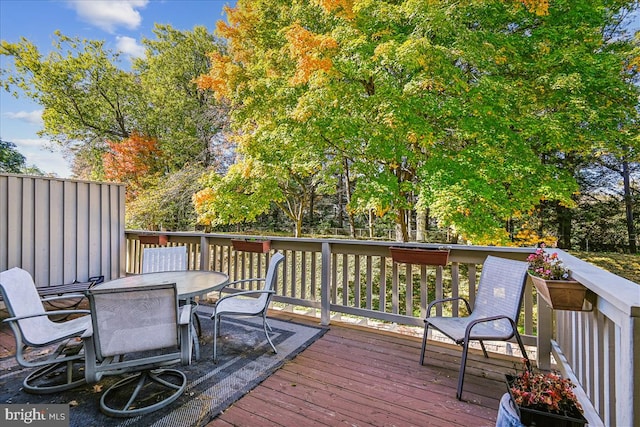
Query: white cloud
130, 47
39, 152
33, 117
110, 14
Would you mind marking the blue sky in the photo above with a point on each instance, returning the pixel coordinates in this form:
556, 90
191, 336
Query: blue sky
121, 23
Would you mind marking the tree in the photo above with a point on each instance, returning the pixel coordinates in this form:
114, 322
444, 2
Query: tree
185, 120
100, 111
465, 109
11, 160
86, 98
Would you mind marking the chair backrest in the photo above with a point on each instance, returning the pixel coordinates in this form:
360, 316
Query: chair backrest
272, 275
173, 258
21, 298
501, 288
129, 320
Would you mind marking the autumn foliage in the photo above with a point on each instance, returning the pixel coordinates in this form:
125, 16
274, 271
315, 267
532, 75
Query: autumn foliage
131, 159
309, 50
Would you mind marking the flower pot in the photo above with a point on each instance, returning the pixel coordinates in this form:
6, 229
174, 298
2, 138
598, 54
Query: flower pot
533, 417
420, 256
259, 246
157, 239
562, 294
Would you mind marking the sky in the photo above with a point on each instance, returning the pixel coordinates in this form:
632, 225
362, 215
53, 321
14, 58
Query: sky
121, 23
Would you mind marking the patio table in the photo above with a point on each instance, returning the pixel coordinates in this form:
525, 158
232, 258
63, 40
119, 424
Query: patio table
189, 284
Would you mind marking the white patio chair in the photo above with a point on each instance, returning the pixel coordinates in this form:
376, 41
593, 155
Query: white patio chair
248, 303
142, 330
33, 329
173, 258
495, 313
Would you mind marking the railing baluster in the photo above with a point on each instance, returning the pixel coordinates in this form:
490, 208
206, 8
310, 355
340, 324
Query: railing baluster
600, 347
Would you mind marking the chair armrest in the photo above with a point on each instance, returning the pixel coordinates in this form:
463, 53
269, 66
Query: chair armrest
65, 296
245, 293
47, 313
185, 314
443, 300
95, 280
489, 319
235, 282
88, 333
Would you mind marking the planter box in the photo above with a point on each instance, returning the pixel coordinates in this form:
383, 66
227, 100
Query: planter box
562, 294
259, 246
158, 239
420, 256
539, 418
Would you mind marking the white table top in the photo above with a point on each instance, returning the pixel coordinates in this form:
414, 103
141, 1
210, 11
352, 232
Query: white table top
189, 283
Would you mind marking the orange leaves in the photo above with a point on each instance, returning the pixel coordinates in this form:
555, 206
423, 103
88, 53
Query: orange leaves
634, 64
203, 197
131, 159
343, 8
222, 70
308, 48
242, 19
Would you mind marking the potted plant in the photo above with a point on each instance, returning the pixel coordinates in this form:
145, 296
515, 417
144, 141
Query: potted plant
545, 399
155, 239
438, 256
553, 281
251, 245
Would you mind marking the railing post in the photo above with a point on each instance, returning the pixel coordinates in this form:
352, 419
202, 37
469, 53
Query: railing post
204, 253
627, 366
545, 331
325, 285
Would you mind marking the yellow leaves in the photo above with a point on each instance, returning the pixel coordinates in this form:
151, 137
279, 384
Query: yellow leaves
240, 18
544, 48
308, 48
203, 197
342, 8
222, 70
634, 64
500, 59
538, 7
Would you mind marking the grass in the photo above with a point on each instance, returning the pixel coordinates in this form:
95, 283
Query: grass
623, 265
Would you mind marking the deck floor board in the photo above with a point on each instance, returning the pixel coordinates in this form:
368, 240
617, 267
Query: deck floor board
360, 376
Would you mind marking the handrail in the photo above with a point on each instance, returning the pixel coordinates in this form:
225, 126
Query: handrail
340, 277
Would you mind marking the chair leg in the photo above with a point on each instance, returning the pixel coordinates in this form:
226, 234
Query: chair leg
463, 366
265, 325
424, 343
484, 350
524, 352
215, 336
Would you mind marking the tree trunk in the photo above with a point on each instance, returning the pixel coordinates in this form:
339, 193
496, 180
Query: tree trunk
341, 189
564, 226
401, 226
421, 225
312, 198
352, 221
631, 229
371, 223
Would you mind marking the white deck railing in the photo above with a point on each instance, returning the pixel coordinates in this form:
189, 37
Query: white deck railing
600, 349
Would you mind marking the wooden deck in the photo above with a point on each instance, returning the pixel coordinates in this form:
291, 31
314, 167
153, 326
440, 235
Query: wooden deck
360, 376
